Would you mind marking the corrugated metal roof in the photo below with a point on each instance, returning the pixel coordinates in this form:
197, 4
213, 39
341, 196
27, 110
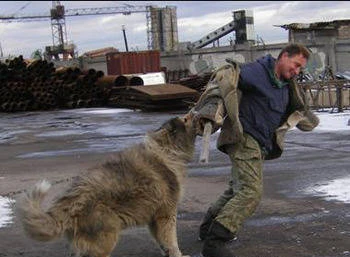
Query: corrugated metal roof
316, 25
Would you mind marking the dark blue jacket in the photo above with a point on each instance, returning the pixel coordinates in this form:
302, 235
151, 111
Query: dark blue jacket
250, 95
263, 104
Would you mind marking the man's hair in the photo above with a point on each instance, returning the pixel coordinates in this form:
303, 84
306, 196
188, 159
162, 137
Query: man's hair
294, 49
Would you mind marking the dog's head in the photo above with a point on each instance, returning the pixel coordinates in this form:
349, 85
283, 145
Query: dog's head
177, 133
180, 129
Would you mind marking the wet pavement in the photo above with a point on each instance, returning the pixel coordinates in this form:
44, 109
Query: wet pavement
304, 211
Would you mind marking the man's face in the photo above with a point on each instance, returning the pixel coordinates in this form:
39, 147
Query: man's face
289, 67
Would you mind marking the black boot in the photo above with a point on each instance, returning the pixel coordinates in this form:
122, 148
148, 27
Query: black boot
215, 244
205, 225
213, 211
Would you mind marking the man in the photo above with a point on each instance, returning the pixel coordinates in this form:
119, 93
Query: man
254, 105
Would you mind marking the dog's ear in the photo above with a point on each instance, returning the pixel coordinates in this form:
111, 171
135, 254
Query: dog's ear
173, 124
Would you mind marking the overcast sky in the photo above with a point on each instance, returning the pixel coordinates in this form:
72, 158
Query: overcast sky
195, 20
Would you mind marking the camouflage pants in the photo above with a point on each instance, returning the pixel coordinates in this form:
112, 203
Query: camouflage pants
243, 195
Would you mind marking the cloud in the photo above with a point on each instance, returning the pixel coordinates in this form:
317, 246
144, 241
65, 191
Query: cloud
194, 28
276, 13
195, 20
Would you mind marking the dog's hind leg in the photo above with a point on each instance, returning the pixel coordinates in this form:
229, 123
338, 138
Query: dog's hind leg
163, 229
98, 233
101, 245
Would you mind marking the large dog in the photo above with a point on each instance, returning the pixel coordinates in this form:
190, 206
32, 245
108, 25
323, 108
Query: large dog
140, 185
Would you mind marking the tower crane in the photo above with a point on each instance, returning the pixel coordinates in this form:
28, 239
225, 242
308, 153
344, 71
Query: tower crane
58, 16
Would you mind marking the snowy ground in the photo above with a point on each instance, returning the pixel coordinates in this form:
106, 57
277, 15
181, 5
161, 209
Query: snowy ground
5, 211
334, 189
330, 190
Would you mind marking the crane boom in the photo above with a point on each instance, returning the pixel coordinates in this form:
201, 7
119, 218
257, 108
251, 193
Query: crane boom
127, 10
106, 10
8, 19
58, 14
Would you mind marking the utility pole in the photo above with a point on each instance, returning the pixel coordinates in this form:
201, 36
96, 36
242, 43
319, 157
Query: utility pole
125, 40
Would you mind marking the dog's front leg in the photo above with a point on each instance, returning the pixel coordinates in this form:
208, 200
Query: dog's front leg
164, 231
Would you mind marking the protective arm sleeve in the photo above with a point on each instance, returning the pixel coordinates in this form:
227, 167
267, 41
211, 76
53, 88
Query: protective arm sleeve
220, 98
308, 122
209, 108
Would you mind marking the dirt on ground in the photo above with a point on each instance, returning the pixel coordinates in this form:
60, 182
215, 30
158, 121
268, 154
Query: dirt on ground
281, 227
284, 225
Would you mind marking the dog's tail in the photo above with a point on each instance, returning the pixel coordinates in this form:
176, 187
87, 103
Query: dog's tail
37, 223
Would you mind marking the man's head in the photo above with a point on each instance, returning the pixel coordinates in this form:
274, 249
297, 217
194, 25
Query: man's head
291, 60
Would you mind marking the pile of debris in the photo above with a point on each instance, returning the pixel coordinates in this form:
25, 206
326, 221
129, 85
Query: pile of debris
37, 85
162, 97
197, 82
326, 90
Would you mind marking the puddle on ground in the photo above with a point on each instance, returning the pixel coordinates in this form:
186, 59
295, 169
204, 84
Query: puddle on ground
97, 145
7, 136
333, 190
60, 133
275, 220
102, 110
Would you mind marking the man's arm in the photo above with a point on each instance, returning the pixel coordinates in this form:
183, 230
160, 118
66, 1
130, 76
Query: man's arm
209, 108
308, 122
221, 97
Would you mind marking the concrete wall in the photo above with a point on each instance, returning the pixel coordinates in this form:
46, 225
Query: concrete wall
333, 53
164, 28
198, 61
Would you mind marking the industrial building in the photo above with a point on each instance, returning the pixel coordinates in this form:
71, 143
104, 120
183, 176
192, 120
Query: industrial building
329, 43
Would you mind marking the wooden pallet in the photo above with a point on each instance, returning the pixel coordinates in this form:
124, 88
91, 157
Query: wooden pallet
153, 97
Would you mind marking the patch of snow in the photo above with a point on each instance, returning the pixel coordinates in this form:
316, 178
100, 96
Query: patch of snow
5, 211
